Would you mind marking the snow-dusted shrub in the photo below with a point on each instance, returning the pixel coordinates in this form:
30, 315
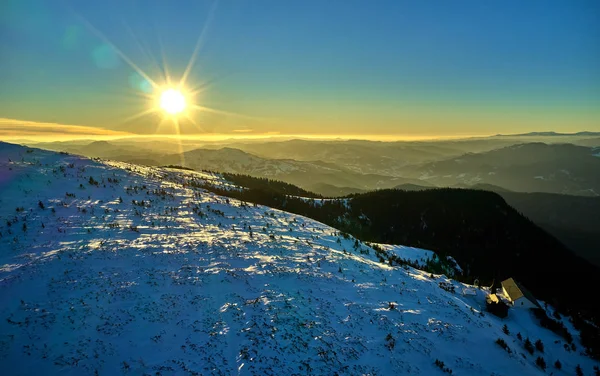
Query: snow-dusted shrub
442, 366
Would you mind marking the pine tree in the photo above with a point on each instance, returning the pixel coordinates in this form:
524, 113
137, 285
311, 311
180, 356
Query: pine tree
529, 346
539, 346
558, 364
541, 362
578, 370
505, 330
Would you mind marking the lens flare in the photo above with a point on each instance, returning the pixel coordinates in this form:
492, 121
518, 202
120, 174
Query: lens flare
179, 100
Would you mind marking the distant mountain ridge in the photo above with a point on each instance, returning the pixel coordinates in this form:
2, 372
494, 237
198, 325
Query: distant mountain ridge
300, 173
368, 165
528, 167
550, 134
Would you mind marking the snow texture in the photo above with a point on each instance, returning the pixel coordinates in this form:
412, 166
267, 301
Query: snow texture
108, 268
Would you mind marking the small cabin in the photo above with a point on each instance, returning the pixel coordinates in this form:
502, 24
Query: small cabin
496, 306
518, 295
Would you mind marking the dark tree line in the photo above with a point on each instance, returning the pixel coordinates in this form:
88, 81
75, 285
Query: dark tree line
269, 185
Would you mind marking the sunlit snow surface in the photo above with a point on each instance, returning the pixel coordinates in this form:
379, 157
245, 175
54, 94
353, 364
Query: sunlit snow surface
177, 285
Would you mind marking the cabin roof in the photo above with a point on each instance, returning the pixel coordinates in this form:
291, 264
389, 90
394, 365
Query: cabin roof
516, 291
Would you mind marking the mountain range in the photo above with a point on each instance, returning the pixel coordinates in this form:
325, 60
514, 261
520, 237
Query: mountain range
531, 167
545, 134
115, 268
366, 165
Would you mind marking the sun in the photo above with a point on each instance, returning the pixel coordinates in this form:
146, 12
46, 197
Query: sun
172, 101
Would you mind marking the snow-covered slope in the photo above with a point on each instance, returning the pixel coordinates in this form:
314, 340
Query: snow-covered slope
109, 268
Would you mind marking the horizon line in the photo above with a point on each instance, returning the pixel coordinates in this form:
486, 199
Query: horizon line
14, 129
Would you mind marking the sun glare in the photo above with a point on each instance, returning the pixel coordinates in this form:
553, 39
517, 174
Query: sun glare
172, 101
175, 99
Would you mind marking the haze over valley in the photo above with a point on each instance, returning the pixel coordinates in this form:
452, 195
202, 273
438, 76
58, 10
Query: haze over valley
299, 187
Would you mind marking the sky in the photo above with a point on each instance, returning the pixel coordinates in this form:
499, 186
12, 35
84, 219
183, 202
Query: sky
300, 67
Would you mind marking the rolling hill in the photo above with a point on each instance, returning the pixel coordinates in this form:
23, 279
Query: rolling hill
300, 173
533, 167
113, 268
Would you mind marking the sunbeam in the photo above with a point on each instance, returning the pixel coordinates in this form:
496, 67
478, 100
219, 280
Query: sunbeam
180, 151
100, 35
204, 85
147, 54
175, 99
225, 113
198, 45
160, 125
196, 125
165, 66
137, 116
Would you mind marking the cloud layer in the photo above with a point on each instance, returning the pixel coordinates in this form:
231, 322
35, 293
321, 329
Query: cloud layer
11, 128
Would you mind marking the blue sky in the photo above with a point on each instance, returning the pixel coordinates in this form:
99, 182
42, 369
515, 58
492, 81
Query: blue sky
309, 67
